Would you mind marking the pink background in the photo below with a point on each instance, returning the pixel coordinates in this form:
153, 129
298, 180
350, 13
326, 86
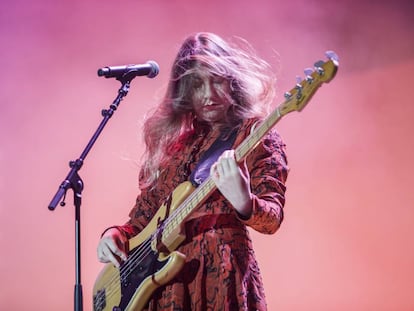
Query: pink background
347, 242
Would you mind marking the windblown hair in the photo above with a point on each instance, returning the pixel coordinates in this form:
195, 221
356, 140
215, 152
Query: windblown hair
251, 82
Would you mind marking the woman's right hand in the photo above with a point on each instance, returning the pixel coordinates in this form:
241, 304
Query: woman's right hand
112, 247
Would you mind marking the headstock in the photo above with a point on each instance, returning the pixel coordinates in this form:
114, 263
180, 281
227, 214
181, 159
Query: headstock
299, 96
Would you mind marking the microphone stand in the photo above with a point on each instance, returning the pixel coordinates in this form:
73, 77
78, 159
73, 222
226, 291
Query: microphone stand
74, 182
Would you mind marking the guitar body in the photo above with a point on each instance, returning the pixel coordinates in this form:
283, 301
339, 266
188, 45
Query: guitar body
113, 292
151, 262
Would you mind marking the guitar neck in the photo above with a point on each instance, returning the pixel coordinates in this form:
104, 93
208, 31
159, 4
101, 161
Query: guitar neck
256, 135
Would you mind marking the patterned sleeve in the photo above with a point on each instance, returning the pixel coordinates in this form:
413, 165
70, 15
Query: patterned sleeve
268, 169
141, 213
135, 224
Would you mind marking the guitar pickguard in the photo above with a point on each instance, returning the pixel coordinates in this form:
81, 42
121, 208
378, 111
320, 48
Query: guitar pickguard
131, 276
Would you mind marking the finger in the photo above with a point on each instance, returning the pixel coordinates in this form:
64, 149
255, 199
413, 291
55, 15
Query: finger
214, 172
228, 163
232, 165
220, 168
109, 252
244, 169
224, 165
113, 259
116, 250
102, 257
108, 256
100, 253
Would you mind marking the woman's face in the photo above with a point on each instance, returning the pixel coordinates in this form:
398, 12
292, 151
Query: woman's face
211, 97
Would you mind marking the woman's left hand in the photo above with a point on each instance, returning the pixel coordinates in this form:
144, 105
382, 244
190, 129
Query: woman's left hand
233, 181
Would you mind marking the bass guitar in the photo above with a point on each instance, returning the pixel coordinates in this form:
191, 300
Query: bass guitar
153, 260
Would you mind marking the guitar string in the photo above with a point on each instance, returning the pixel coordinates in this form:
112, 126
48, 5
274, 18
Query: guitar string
142, 251
117, 277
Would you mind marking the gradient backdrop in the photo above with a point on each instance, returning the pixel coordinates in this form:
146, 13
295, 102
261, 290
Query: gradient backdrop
347, 242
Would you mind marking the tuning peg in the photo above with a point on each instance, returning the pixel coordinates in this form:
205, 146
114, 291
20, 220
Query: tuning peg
332, 56
308, 72
318, 66
299, 83
299, 87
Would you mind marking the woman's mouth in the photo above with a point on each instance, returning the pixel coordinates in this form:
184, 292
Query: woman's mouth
211, 107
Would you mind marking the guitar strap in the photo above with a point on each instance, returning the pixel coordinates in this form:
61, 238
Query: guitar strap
202, 170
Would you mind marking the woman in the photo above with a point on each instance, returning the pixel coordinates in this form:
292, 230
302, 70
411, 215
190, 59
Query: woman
216, 95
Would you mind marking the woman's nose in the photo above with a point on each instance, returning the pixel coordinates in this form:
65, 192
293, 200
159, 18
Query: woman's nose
208, 89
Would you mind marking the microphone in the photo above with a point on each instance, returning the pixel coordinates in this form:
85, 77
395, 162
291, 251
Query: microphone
149, 69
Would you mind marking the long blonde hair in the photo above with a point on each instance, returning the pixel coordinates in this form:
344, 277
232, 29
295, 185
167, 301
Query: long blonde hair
251, 81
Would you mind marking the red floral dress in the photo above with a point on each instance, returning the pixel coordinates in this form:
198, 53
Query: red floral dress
221, 272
